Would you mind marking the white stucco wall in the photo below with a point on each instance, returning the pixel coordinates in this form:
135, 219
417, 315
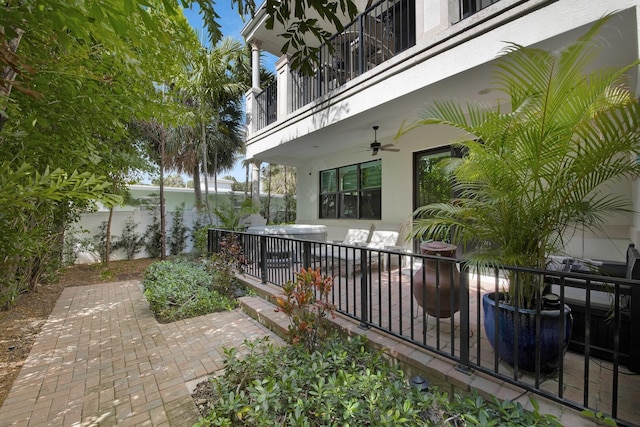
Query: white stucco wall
444, 63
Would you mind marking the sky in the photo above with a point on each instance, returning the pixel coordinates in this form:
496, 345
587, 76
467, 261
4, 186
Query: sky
231, 24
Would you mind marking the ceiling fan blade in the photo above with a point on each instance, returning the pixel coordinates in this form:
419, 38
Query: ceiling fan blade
374, 152
389, 147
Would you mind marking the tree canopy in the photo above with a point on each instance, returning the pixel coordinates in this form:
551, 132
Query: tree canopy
75, 75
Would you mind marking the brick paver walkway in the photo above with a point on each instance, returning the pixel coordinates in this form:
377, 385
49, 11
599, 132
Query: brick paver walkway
102, 359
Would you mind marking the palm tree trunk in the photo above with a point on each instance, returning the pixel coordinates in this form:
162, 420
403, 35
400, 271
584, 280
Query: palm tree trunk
197, 189
203, 130
215, 176
163, 237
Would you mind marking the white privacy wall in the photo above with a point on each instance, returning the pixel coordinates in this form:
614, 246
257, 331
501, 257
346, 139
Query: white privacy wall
90, 223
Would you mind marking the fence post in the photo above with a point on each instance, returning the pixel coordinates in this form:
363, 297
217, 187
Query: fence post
263, 259
306, 255
464, 315
364, 289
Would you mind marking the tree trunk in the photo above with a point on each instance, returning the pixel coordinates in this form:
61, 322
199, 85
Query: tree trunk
163, 237
197, 189
107, 244
203, 135
8, 74
215, 176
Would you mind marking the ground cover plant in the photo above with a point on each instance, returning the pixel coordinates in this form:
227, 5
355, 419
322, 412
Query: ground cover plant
342, 382
324, 379
179, 289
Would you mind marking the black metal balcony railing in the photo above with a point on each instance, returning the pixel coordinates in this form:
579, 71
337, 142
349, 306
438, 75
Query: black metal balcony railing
379, 33
368, 290
267, 102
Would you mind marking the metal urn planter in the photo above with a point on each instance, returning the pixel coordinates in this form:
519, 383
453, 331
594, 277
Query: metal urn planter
437, 288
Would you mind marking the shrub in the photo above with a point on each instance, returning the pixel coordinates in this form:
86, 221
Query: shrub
180, 289
100, 241
131, 241
306, 303
73, 245
341, 383
199, 235
178, 240
153, 237
225, 263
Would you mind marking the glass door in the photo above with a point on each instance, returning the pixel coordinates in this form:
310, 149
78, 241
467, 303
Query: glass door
430, 183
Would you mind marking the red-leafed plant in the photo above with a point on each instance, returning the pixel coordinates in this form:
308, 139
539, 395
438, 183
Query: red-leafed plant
306, 303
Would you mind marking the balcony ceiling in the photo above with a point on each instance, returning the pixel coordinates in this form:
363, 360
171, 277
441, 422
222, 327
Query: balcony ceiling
335, 128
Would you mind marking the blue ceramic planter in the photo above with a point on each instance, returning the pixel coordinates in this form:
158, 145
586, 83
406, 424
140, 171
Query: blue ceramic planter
551, 350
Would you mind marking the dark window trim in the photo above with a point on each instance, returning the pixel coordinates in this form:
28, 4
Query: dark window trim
359, 190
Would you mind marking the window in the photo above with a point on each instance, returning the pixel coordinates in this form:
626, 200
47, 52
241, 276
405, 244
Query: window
353, 191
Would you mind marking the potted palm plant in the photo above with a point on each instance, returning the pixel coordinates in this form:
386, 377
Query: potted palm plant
533, 170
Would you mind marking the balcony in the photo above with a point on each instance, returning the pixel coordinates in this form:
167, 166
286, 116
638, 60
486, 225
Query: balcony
379, 297
378, 34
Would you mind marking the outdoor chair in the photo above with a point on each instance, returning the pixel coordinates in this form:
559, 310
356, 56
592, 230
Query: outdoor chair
354, 237
349, 258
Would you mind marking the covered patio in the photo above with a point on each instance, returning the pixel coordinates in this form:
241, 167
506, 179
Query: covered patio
379, 297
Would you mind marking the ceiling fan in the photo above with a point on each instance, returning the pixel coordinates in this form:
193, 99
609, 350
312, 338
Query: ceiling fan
376, 146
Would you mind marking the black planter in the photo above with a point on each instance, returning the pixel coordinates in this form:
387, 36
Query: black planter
551, 349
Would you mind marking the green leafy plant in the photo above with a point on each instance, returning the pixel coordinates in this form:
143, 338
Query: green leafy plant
131, 241
306, 303
178, 239
534, 170
153, 237
100, 240
74, 245
342, 382
225, 263
230, 216
180, 289
199, 235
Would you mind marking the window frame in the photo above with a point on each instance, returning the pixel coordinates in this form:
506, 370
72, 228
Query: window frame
337, 211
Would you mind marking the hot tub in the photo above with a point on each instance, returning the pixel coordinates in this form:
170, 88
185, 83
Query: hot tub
316, 233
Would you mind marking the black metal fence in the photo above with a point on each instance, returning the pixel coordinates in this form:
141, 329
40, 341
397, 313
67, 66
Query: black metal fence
267, 102
386, 290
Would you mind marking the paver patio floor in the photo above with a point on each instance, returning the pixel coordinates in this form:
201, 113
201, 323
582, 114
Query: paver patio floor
103, 359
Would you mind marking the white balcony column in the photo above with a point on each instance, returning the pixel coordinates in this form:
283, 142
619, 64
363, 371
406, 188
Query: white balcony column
433, 16
255, 63
283, 74
255, 183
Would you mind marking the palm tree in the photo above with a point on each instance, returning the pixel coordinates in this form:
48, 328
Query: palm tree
213, 90
535, 173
